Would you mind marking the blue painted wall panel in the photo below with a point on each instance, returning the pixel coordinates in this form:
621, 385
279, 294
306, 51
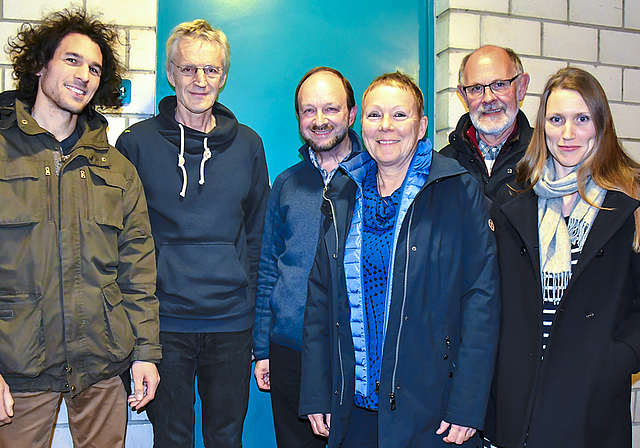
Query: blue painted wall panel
273, 43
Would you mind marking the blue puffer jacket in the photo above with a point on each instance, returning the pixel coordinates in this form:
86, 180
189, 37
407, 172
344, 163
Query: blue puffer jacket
289, 242
442, 319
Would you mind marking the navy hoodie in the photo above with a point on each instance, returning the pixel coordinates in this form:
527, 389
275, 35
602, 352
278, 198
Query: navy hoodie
206, 216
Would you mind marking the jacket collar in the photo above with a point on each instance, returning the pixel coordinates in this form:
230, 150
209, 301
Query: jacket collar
357, 167
524, 131
93, 142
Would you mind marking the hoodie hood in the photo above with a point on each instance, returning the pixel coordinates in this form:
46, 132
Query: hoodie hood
192, 142
221, 136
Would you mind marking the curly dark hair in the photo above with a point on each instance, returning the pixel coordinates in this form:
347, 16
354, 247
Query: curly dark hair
34, 46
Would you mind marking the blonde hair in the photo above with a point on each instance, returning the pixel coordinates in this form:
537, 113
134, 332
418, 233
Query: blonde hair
401, 81
607, 164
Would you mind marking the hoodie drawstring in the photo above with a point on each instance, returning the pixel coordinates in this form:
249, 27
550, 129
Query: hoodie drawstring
206, 155
183, 193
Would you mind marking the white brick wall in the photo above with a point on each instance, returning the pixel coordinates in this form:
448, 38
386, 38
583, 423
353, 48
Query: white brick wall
600, 36
138, 53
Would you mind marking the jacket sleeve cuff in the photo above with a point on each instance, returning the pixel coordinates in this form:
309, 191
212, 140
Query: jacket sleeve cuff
468, 421
308, 409
149, 353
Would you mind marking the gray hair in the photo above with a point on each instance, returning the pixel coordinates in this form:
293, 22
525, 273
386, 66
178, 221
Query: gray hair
198, 29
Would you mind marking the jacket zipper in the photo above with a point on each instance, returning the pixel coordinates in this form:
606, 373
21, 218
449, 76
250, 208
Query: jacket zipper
335, 256
333, 217
47, 176
392, 394
85, 194
341, 370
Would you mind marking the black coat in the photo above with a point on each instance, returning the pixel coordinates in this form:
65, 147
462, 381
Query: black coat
579, 396
504, 169
439, 350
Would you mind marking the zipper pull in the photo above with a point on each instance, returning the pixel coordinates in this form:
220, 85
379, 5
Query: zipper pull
392, 400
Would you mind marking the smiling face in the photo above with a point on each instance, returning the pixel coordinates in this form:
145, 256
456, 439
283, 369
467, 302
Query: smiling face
493, 115
324, 116
392, 126
569, 130
196, 94
71, 77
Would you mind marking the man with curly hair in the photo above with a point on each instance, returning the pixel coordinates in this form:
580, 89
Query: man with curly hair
77, 264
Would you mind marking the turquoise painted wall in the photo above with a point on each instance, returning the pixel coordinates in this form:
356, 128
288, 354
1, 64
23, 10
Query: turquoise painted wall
273, 44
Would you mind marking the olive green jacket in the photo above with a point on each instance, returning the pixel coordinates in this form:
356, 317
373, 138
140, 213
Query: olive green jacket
77, 262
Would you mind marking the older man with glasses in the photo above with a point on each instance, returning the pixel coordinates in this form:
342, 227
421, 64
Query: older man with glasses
207, 187
492, 137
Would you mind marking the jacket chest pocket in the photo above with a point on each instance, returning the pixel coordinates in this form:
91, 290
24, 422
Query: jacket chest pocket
24, 196
25, 206
99, 196
104, 191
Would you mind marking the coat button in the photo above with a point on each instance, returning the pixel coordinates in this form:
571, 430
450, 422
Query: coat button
509, 170
335, 392
335, 256
523, 250
68, 369
450, 375
337, 324
590, 316
66, 385
600, 253
73, 388
414, 248
445, 357
470, 160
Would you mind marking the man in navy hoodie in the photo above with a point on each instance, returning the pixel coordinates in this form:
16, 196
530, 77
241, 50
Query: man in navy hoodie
326, 109
207, 187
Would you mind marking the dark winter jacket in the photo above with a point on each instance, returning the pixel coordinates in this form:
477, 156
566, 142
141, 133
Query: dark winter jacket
291, 230
77, 271
578, 397
207, 242
504, 168
441, 335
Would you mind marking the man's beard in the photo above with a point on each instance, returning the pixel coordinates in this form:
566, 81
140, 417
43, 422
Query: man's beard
485, 125
328, 146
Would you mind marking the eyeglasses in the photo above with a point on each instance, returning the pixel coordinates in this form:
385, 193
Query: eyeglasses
189, 71
499, 87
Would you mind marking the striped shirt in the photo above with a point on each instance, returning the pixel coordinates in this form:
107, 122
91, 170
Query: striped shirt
551, 301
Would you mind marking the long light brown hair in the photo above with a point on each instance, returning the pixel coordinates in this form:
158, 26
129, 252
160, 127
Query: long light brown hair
607, 163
